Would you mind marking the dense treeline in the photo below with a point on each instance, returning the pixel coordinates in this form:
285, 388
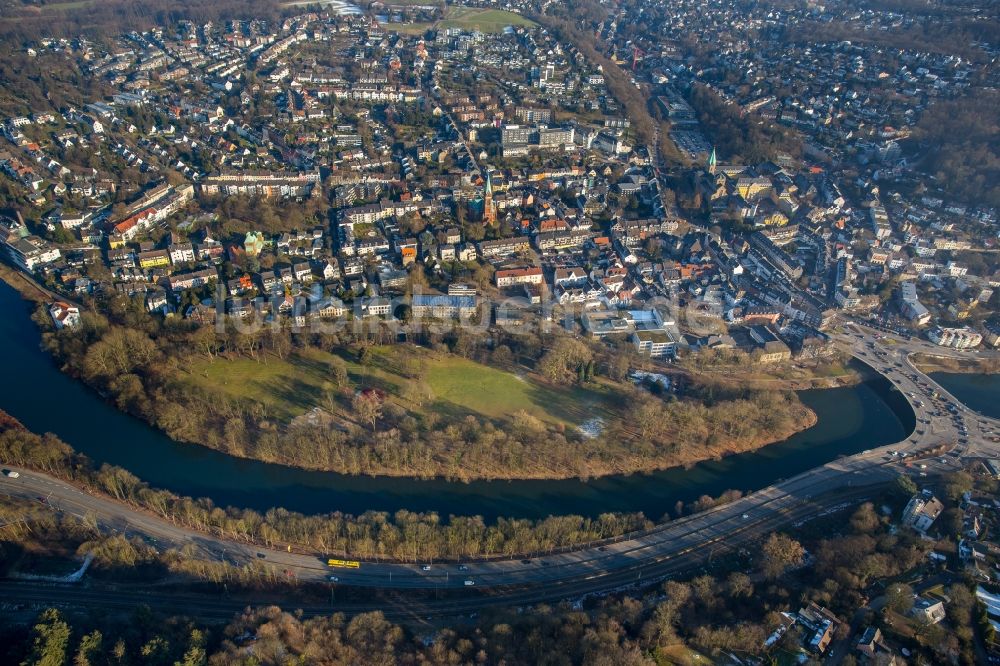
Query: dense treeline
738, 135
27, 21
240, 215
141, 361
47, 81
731, 609
404, 536
952, 36
959, 141
145, 638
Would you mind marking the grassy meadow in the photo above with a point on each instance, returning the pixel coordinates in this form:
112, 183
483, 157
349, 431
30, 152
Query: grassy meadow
458, 386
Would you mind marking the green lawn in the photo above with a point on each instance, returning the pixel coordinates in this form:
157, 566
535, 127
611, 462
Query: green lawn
680, 655
289, 387
286, 387
408, 28
467, 18
293, 386
487, 20
458, 382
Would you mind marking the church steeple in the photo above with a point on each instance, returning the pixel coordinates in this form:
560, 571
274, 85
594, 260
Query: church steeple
712, 162
489, 210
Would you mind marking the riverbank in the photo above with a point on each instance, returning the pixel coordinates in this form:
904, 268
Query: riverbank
25, 286
438, 415
456, 439
927, 364
486, 433
795, 378
850, 420
405, 537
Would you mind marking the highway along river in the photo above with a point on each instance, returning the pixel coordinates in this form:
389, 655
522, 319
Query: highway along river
34, 391
979, 392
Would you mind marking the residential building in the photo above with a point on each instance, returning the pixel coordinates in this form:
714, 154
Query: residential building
154, 259
64, 315
657, 343
921, 512
928, 611
440, 306
911, 306
956, 338
503, 247
514, 276
270, 185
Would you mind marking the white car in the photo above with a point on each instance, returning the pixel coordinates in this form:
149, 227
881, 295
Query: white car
426, 567
11, 473
469, 583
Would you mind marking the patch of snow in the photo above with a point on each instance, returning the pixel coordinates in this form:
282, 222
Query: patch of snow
640, 376
592, 428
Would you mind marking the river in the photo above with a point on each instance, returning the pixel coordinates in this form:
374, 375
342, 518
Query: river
979, 392
34, 391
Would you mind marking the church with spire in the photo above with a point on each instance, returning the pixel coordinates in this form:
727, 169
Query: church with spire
708, 186
489, 208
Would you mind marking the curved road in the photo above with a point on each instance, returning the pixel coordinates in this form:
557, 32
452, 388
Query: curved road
666, 550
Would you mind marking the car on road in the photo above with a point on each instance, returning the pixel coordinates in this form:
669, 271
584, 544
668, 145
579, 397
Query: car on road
261, 556
469, 583
746, 516
11, 473
333, 579
426, 567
